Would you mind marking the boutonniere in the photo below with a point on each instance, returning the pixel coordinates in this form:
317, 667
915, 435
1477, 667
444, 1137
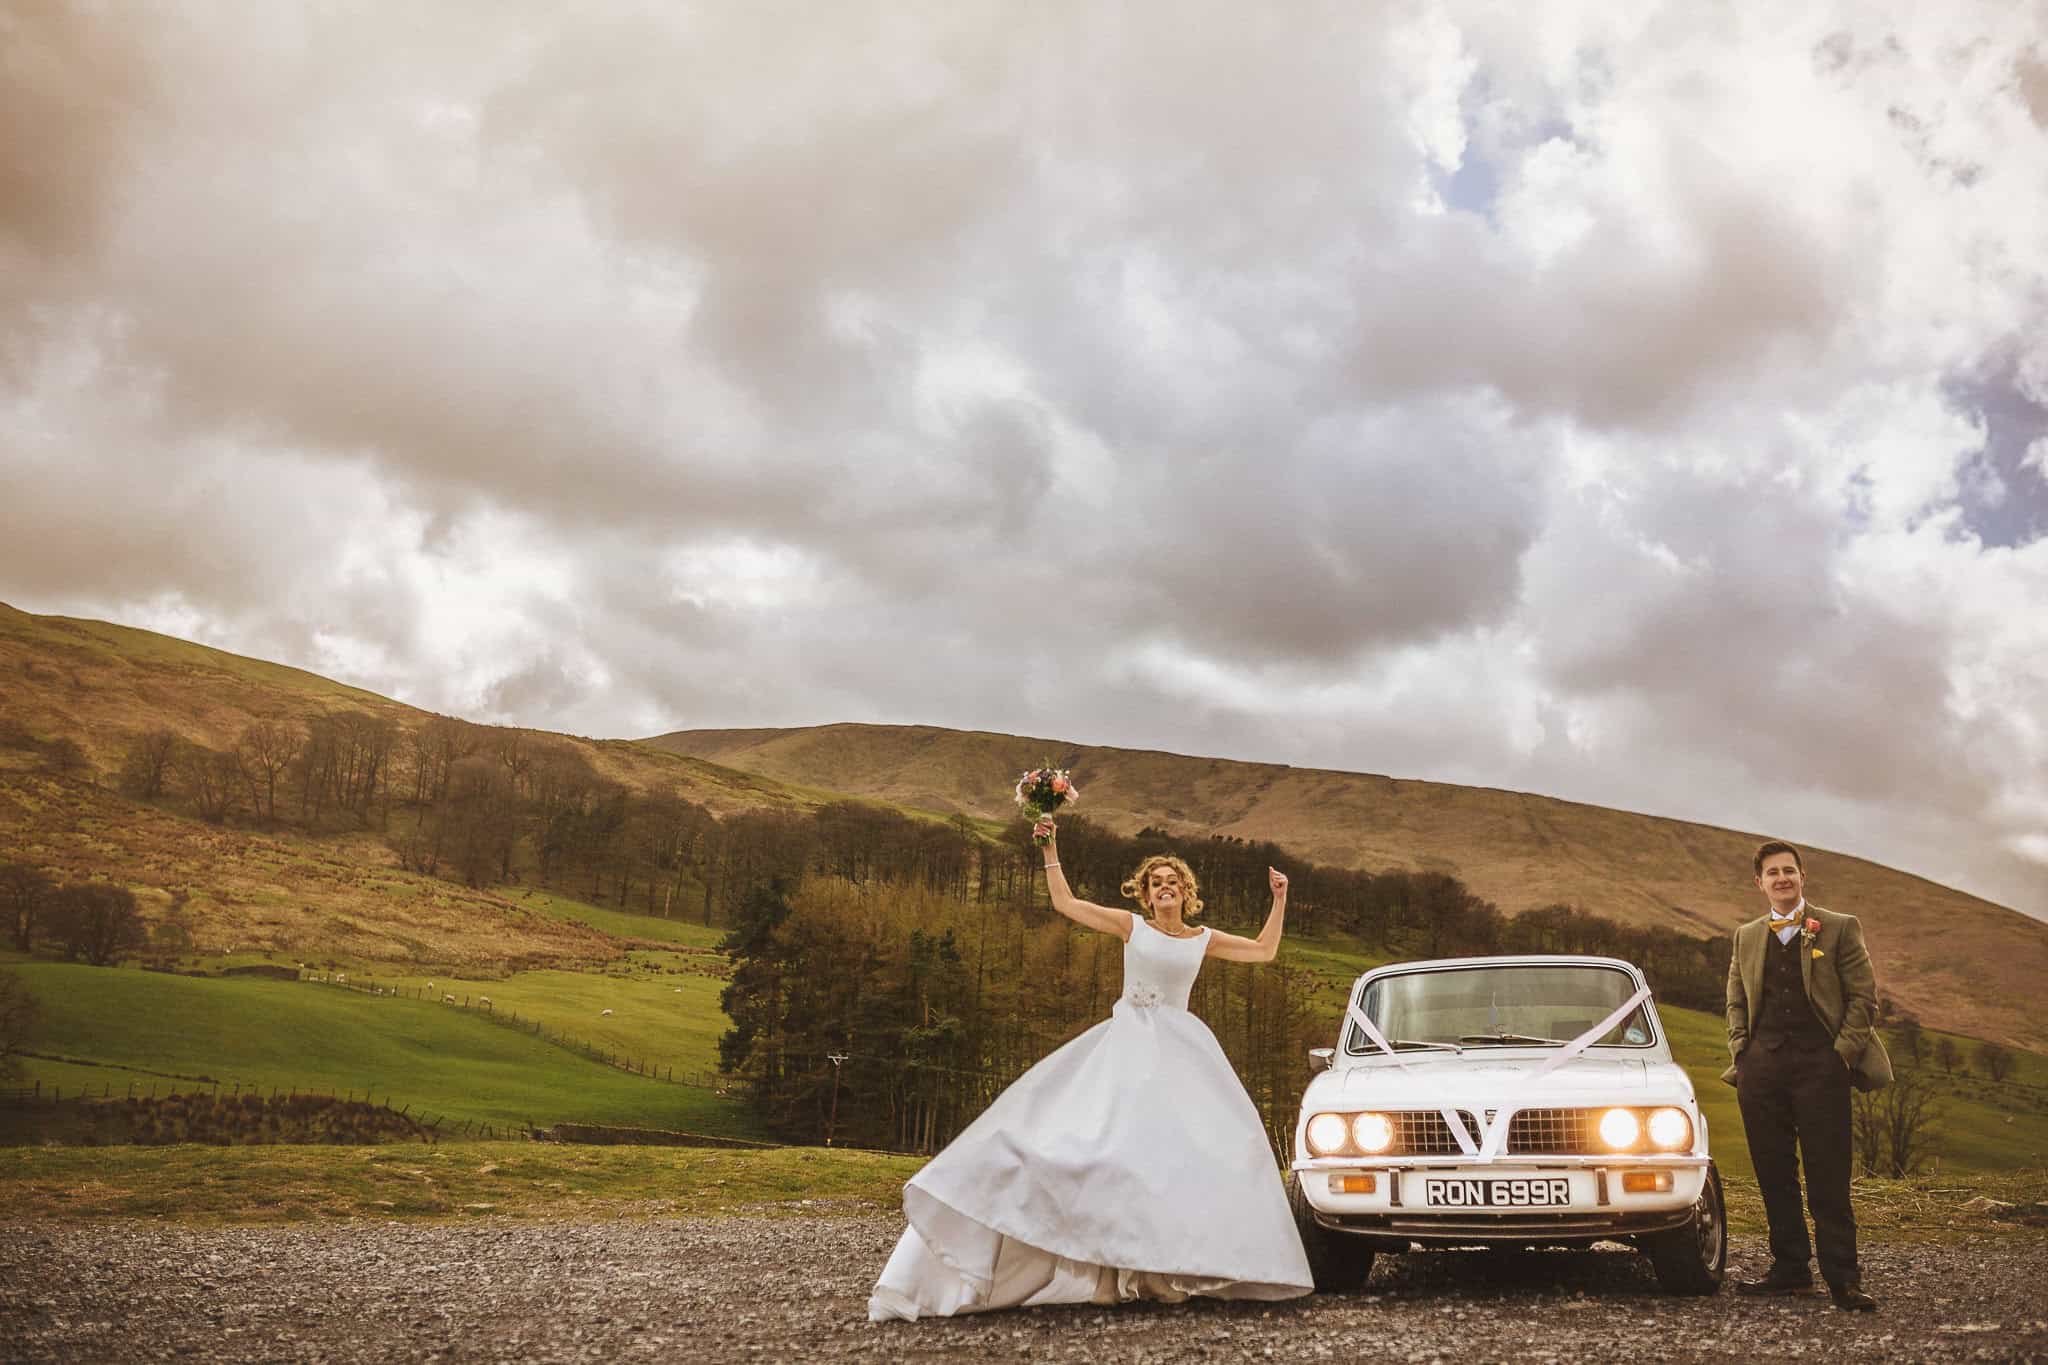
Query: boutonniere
1807, 931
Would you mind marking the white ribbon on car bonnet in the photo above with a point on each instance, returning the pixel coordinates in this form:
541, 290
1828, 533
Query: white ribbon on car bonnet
1496, 1132
1451, 1116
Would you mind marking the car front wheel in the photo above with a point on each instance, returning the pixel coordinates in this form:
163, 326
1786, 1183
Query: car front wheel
1693, 1258
1338, 1262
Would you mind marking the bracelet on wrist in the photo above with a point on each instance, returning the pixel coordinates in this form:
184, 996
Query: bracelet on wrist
1054, 863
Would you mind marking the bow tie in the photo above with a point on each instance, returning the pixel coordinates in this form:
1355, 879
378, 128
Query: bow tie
1777, 924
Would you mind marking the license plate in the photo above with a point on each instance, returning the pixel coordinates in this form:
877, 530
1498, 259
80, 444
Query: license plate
1542, 1192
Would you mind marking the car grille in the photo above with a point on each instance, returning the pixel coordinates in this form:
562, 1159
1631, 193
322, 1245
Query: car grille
1560, 1132
1426, 1134
1553, 1130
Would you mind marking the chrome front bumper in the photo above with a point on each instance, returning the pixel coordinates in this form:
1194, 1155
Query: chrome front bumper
1599, 1206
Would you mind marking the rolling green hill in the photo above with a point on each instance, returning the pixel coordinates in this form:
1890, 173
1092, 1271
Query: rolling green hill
1978, 976
117, 1026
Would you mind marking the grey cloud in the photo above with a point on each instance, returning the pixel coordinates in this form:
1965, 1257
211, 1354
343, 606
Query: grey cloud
72, 92
540, 686
1751, 646
1618, 331
1377, 529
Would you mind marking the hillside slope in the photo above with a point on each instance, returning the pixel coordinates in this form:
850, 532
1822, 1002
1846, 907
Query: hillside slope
98, 684
239, 888
1977, 974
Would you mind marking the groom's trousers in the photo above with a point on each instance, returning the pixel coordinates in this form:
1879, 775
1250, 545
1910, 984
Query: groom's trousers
1795, 1107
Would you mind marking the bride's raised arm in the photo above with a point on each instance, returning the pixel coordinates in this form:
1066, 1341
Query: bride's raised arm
1264, 948
1087, 914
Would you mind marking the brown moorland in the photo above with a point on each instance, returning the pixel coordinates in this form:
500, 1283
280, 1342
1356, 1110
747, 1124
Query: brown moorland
1977, 975
238, 889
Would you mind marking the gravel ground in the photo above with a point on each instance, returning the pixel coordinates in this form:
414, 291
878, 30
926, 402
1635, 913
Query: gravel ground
760, 1289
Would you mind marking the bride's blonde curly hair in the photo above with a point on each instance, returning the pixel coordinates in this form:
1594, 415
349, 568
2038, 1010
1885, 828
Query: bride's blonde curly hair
1191, 897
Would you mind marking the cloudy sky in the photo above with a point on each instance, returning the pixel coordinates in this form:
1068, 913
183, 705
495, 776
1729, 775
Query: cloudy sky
1644, 404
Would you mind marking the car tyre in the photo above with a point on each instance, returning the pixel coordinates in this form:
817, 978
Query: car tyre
1338, 1262
1693, 1258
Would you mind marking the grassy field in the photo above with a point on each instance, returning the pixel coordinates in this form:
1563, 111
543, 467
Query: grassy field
623, 924
664, 1005
150, 1027
506, 1179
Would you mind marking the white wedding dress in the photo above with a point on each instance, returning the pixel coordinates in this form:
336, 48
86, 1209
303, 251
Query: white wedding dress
1129, 1163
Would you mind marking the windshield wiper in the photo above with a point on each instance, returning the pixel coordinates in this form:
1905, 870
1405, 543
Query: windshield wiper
1510, 1038
1400, 1043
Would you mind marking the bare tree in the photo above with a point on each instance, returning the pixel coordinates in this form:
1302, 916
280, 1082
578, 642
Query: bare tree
1895, 1128
265, 750
211, 779
146, 766
19, 1016
515, 749
1996, 1059
25, 893
476, 824
436, 748
365, 744
1948, 1054
314, 770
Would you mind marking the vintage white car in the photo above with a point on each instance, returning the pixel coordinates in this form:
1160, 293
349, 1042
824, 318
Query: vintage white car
1504, 1102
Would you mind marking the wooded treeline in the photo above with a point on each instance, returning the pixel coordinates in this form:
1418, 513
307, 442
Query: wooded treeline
488, 804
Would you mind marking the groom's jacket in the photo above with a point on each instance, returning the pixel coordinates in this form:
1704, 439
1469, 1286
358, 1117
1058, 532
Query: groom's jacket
1840, 986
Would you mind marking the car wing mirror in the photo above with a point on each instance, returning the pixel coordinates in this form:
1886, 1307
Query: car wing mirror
1321, 1058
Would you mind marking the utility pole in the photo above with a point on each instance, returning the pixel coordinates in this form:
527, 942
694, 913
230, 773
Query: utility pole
832, 1123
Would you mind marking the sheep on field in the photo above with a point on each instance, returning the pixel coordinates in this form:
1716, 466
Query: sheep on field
447, 999
604, 1014
483, 1000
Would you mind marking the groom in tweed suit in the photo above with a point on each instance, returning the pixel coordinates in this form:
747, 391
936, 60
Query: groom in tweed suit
1802, 999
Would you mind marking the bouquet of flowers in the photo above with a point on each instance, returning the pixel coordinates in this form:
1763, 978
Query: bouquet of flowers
1044, 790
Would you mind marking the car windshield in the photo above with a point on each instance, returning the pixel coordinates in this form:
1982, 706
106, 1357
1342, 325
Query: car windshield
1512, 1005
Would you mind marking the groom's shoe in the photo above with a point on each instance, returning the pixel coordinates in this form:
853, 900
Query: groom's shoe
1849, 1297
1782, 1278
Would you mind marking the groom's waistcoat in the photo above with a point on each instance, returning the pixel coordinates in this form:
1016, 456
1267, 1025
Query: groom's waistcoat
1787, 1018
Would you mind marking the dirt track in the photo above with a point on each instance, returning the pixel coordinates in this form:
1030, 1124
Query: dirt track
795, 1289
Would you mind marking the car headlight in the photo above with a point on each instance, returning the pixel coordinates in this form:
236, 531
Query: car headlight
1670, 1130
1373, 1133
1619, 1129
1327, 1134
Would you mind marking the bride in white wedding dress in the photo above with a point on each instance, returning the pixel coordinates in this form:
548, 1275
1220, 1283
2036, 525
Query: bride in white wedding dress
1128, 1164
